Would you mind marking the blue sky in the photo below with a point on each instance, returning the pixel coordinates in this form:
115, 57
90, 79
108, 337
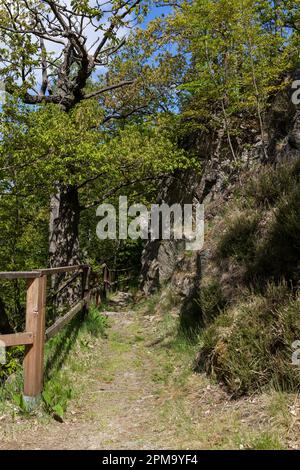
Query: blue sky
156, 12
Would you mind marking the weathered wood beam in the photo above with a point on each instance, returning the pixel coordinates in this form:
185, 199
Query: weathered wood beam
40, 272
35, 322
17, 339
63, 321
20, 275
63, 269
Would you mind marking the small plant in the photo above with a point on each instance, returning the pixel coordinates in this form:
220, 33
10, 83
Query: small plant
211, 301
13, 362
268, 186
150, 304
20, 403
55, 397
95, 322
279, 254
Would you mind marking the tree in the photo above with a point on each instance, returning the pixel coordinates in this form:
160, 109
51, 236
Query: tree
49, 52
48, 145
237, 56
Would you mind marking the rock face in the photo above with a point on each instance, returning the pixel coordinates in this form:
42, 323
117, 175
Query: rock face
159, 260
283, 126
160, 257
167, 261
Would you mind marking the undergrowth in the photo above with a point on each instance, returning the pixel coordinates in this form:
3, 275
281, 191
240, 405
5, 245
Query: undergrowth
66, 355
248, 296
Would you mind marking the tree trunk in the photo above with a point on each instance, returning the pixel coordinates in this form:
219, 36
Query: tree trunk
64, 233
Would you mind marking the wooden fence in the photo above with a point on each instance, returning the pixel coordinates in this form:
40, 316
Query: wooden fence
35, 333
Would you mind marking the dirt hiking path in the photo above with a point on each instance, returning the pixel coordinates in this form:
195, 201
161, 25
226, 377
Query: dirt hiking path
135, 391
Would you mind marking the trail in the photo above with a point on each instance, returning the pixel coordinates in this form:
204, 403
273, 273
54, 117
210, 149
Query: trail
137, 395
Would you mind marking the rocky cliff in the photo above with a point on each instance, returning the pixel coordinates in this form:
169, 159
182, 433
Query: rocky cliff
223, 167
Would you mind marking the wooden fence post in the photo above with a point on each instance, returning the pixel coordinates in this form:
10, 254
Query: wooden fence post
85, 281
34, 355
105, 284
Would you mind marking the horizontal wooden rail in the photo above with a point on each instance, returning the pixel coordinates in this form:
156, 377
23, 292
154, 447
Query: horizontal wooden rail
17, 339
20, 275
35, 335
64, 269
52, 295
63, 321
119, 281
41, 272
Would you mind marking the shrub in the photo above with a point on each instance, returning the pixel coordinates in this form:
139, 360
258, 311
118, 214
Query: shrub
14, 357
250, 305
238, 241
279, 255
249, 347
95, 323
271, 183
265, 242
211, 301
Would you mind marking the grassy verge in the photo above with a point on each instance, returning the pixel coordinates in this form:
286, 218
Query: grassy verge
66, 357
248, 296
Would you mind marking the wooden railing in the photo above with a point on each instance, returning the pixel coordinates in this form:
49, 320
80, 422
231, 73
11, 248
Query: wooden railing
111, 279
35, 334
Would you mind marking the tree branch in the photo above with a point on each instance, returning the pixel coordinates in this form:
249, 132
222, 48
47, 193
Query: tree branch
124, 115
107, 88
113, 191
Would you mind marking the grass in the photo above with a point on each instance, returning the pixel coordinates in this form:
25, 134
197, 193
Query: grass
67, 355
249, 346
173, 406
239, 240
148, 305
210, 422
279, 408
265, 441
248, 294
175, 352
261, 226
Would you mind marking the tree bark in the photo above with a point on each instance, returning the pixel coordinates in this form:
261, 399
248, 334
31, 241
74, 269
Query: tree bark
64, 233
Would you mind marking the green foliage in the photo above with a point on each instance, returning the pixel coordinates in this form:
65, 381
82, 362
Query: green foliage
14, 357
249, 347
95, 323
19, 401
55, 397
39, 148
238, 61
